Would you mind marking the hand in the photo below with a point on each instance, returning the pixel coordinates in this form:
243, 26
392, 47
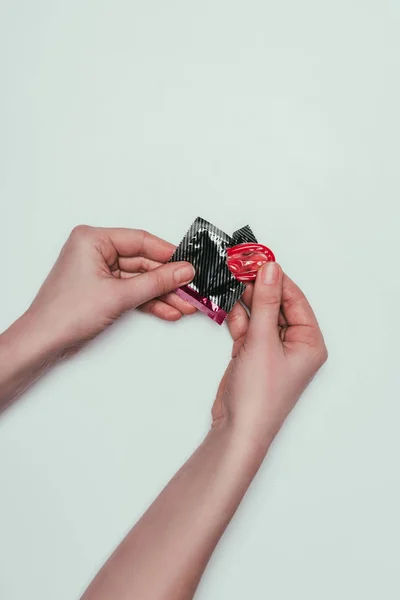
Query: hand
94, 281
276, 353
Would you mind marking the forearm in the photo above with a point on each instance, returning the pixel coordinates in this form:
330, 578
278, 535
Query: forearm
165, 554
25, 354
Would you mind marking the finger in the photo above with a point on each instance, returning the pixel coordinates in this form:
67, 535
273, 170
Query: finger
161, 310
136, 242
295, 306
171, 299
141, 264
281, 319
238, 322
176, 302
248, 295
138, 290
137, 264
266, 303
302, 325
248, 299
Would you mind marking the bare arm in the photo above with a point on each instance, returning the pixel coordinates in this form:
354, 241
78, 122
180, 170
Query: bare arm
275, 354
25, 354
167, 551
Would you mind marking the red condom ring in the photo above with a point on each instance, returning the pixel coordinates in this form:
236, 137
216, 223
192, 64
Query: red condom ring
244, 260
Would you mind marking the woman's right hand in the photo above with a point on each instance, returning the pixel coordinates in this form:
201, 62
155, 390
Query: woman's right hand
166, 552
276, 353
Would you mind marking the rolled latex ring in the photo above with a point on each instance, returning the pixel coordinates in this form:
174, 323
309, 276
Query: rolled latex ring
244, 260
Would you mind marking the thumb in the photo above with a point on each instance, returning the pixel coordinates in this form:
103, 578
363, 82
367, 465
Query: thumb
157, 282
266, 303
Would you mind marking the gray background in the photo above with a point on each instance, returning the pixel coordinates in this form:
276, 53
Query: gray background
284, 115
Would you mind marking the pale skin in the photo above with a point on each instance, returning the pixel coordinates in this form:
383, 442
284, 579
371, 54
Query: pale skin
92, 283
277, 350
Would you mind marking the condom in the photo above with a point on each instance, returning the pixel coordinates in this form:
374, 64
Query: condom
216, 287
244, 260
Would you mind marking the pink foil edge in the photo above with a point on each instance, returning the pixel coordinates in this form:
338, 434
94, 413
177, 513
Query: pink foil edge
202, 303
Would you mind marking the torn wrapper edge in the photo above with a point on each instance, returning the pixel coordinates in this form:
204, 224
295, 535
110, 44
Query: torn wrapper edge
206, 306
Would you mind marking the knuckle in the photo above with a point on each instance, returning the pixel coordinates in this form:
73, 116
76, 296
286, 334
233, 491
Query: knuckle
272, 298
317, 351
158, 285
237, 325
320, 354
143, 235
234, 317
323, 354
141, 265
294, 297
81, 231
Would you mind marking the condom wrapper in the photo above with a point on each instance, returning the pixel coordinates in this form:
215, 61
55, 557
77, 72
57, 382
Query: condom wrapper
214, 289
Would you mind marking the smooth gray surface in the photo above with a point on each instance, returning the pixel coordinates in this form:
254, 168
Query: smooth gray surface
281, 114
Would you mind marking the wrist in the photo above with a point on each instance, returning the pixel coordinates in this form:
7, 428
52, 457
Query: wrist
26, 351
246, 445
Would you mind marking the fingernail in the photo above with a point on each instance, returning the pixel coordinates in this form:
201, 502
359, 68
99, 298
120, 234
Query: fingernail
184, 274
270, 273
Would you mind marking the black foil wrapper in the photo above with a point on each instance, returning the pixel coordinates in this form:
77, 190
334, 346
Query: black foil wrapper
214, 290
